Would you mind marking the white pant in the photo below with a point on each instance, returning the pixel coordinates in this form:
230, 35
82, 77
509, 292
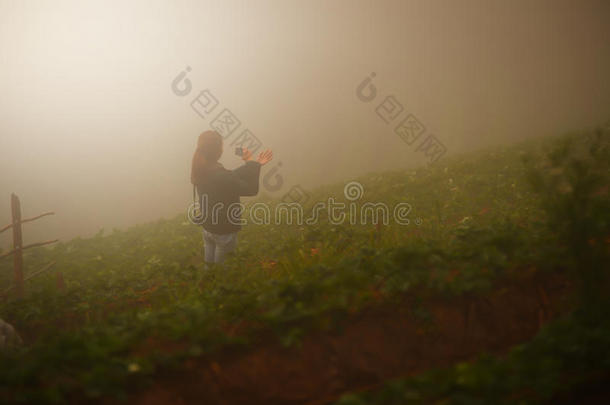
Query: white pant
217, 246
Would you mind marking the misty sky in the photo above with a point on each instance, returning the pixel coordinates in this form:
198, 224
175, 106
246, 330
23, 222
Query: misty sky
91, 129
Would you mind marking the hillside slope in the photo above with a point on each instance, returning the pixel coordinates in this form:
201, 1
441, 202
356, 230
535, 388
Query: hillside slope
138, 304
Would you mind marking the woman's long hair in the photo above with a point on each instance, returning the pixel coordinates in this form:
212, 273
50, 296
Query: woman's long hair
205, 158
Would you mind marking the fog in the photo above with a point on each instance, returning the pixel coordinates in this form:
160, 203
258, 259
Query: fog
92, 127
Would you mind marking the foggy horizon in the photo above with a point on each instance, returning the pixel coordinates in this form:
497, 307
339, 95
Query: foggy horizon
92, 129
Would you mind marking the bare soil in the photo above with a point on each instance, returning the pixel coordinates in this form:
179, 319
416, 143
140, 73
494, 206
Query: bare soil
385, 341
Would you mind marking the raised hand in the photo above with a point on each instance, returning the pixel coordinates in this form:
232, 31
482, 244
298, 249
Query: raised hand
265, 157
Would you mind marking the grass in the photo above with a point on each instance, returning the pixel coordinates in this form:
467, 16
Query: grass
128, 291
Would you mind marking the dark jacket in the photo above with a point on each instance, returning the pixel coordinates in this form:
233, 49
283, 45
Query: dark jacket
220, 189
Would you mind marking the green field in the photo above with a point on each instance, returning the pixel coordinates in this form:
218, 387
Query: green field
138, 304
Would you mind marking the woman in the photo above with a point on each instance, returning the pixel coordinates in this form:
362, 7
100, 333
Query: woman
218, 188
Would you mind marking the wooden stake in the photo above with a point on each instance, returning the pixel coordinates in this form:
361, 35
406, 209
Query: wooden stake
23, 221
28, 247
45, 268
17, 245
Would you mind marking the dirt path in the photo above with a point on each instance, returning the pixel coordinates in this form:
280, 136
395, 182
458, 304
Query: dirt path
381, 343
